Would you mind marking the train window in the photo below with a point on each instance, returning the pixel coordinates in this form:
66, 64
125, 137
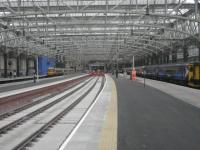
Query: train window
191, 69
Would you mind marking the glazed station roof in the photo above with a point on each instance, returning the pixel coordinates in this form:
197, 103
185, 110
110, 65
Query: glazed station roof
97, 30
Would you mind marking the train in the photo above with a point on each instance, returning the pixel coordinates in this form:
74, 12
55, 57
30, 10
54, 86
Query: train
187, 74
55, 71
58, 71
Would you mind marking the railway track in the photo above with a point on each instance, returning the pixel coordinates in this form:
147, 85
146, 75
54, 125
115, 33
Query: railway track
38, 109
24, 107
26, 120
13, 102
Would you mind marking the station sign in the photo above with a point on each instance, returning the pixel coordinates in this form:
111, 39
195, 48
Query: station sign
193, 51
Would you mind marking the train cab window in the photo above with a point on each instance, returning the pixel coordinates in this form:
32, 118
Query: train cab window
191, 69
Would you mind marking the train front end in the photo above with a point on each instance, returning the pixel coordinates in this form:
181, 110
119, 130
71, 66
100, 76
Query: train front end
194, 75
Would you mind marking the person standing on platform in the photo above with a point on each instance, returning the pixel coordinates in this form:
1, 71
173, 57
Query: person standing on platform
14, 74
34, 77
10, 74
116, 73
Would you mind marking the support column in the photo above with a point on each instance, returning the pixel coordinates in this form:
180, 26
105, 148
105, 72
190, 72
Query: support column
138, 62
164, 58
35, 64
185, 53
152, 60
197, 16
18, 65
198, 45
160, 58
1, 64
133, 65
143, 61
174, 56
147, 60
5, 65
157, 59
167, 57
27, 66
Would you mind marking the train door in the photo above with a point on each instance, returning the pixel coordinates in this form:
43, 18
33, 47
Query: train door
197, 73
194, 75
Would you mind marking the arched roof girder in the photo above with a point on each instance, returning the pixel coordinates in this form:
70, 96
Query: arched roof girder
96, 24
141, 49
31, 45
164, 27
149, 45
150, 26
137, 50
165, 16
20, 41
148, 40
45, 46
148, 49
137, 25
140, 25
151, 42
168, 16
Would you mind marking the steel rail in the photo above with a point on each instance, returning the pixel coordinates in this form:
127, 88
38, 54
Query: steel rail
35, 91
17, 110
21, 120
52, 122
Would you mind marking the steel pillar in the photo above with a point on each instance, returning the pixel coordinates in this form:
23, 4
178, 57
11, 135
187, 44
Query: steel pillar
5, 65
27, 66
197, 16
185, 53
174, 56
18, 65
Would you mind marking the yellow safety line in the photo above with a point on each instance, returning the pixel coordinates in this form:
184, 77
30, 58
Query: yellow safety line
108, 138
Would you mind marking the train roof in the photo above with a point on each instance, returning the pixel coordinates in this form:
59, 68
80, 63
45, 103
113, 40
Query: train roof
170, 65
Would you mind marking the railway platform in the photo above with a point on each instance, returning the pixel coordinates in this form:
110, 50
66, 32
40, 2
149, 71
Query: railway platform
29, 83
83, 116
18, 79
158, 116
105, 113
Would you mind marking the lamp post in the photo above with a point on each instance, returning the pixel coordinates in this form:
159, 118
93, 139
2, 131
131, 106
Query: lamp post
133, 62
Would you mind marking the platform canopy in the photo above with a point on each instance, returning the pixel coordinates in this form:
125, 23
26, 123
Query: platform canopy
97, 30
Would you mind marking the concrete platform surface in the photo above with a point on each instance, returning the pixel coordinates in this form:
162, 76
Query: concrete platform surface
187, 94
24, 84
16, 78
98, 131
149, 119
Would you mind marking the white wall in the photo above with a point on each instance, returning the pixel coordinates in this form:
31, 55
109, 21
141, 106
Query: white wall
22, 66
31, 63
31, 67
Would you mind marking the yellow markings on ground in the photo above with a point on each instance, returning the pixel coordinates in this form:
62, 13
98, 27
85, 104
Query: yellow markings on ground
108, 137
